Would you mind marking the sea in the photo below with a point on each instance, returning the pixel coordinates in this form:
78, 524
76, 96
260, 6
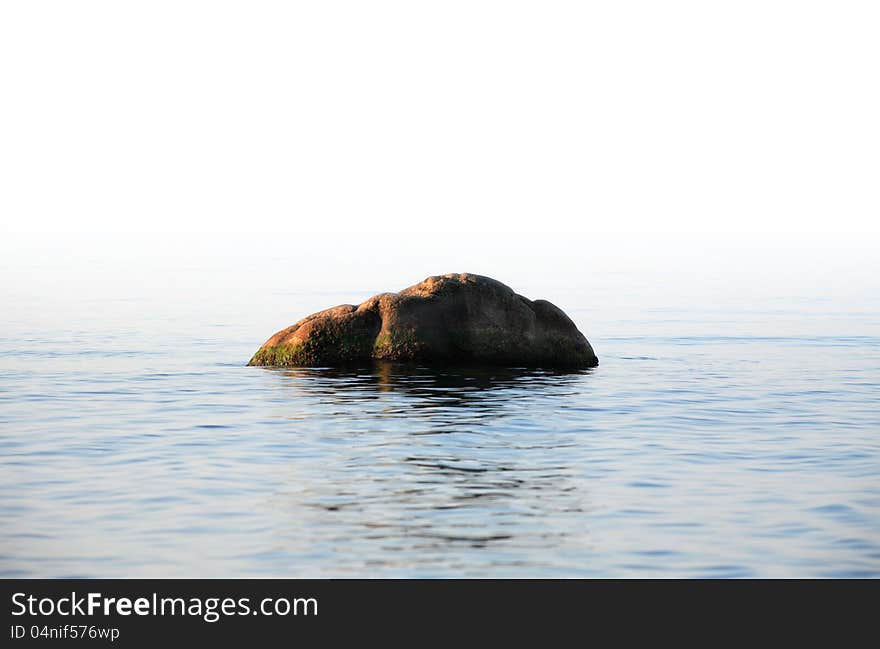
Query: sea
727, 433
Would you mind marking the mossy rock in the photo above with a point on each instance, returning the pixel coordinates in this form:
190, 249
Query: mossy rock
455, 318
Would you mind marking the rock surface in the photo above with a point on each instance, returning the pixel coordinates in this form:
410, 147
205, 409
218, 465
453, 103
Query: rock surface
446, 319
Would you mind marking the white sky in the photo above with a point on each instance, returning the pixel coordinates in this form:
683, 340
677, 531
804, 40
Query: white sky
282, 117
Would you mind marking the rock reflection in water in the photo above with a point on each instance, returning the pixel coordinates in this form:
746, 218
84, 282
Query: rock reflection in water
428, 459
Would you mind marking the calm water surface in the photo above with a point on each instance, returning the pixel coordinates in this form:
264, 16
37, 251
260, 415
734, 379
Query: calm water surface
716, 442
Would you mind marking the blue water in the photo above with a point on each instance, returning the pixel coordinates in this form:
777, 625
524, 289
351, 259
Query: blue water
737, 439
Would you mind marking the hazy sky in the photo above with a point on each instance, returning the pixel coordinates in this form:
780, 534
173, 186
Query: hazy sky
452, 117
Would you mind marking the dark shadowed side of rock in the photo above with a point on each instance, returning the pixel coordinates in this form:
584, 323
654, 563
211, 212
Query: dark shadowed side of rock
448, 319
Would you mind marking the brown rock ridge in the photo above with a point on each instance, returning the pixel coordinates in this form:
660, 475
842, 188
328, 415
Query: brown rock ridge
446, 319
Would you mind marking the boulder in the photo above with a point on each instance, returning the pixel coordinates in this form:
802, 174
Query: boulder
460, 319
